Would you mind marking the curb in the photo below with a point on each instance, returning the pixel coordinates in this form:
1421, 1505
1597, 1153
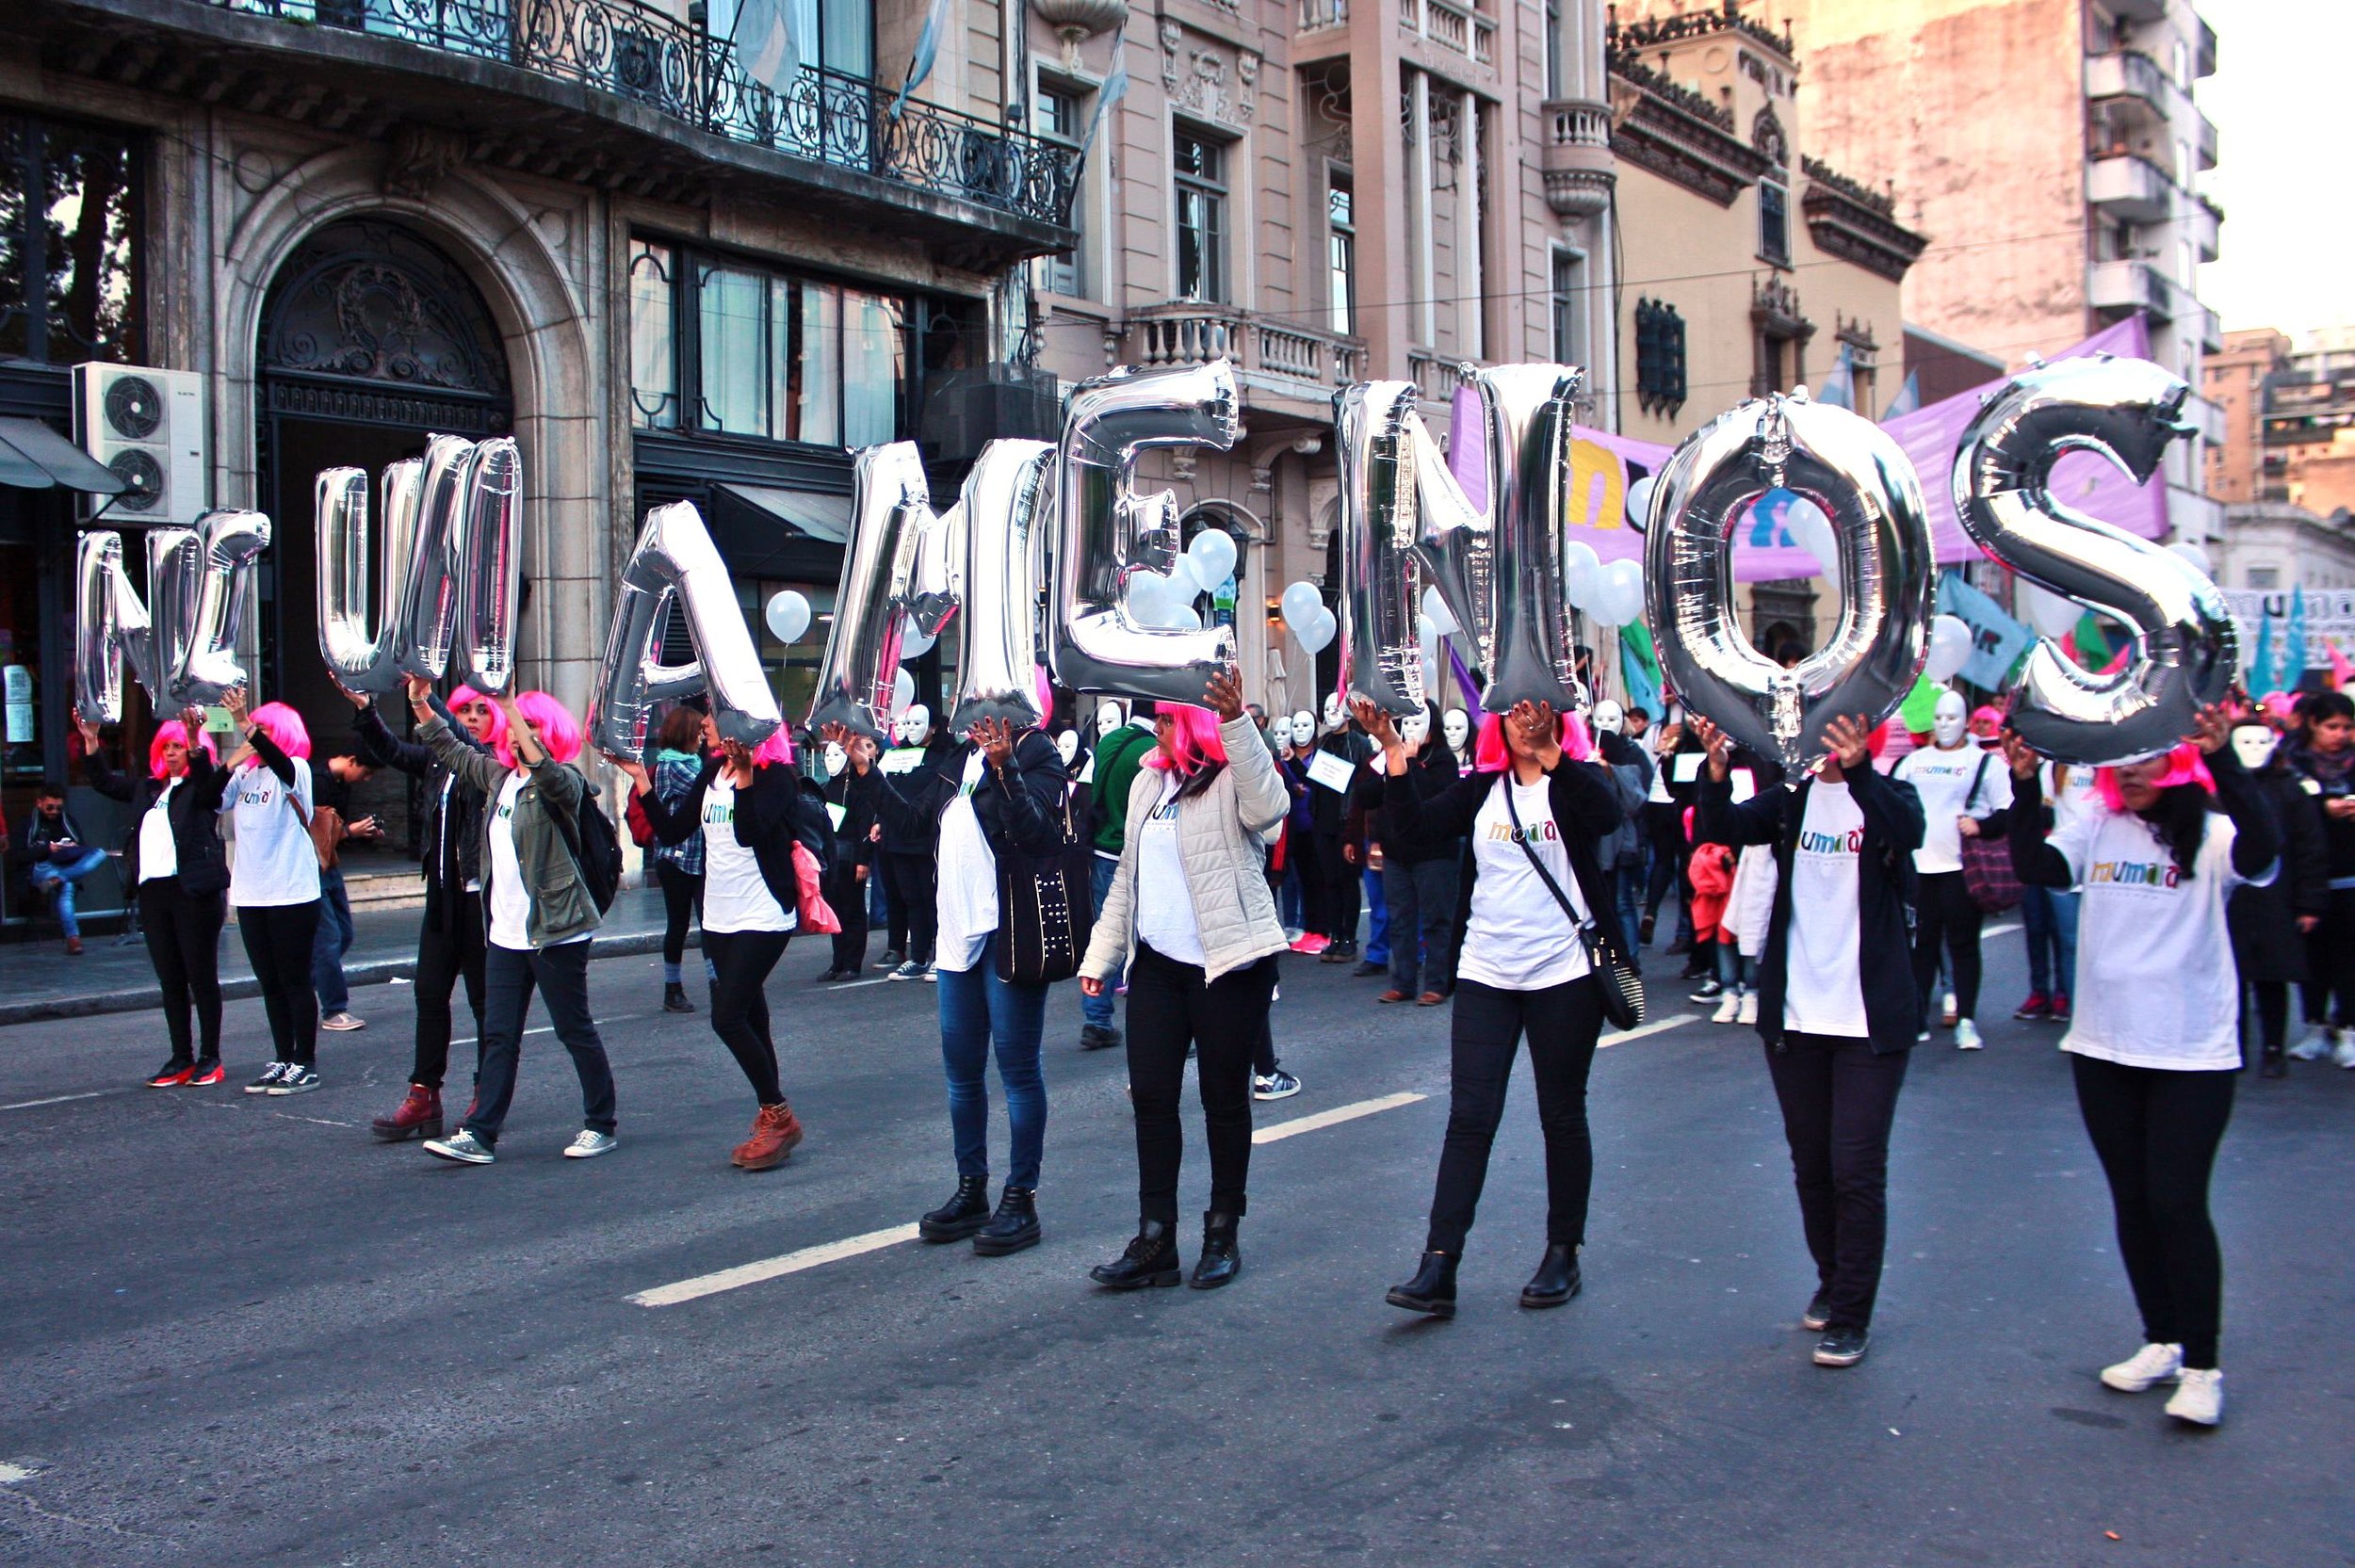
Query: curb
379, 971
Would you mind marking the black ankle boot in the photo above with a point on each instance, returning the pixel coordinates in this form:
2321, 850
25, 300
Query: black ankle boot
1222, 1259
966, 1211
1152, 1259
675, 999
2273, 1066
1432, 1289
1557, 1278
1014, 1225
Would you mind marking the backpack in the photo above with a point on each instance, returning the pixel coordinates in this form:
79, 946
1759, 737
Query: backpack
596, 851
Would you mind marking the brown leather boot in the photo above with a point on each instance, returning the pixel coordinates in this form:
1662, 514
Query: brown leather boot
418, 1116
775, 1131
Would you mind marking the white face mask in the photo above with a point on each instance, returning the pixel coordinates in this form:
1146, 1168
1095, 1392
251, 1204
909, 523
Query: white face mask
912, 724
1068, 742
1334, 713
2254, 743
1608, 717
1414, 729
1947, 725
1110, 717
1457, 728
1304, 727
837, 760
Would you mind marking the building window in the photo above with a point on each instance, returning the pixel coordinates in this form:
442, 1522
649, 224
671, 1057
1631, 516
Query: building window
1569, 307
1659, 357
1774, 223
1201, 176
653, 338
70, 242
786, 359
828, 35
1062, 116
1341, 251
1553, 48
2265, 576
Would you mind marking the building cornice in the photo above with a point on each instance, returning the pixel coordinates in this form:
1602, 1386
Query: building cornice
1856, 223
1679, 135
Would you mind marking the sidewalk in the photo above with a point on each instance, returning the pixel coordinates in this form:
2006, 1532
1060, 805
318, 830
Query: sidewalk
37, 981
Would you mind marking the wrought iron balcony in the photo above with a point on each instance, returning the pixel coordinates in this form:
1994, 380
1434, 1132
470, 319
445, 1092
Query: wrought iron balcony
648, 57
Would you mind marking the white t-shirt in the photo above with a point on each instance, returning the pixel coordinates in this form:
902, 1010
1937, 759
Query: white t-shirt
2156, 985
1945, 780
735, 897
160, 857
968, 878
1164, 898
1518, 938
2071, 800
1822, 991
510, 902
275, 864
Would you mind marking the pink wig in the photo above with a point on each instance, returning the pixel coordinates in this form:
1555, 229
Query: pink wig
466, 694
558, 731
1877, 741
1989, 715
777, 748
166, 733
1193, 735
1490, 754
285, 727
2280, 705
2184, 765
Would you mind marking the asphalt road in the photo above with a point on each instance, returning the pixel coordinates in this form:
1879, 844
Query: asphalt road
235, 1331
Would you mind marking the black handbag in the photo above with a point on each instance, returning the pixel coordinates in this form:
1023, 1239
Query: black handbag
1046, 908
1620, 983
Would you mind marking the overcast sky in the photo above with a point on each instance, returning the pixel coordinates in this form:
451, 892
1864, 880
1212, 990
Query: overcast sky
2279, 99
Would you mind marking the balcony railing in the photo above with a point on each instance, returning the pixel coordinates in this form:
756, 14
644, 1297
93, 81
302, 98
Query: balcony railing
649, 57
2129, 74
1580, 169
1453, 26
1184, 333
1322, 13
1435, 378
2129, 187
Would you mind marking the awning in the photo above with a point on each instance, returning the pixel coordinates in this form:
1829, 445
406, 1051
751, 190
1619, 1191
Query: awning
34, 457
764, 531
819, 517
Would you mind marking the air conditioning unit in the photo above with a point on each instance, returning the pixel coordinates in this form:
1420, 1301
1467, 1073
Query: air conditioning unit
148, 427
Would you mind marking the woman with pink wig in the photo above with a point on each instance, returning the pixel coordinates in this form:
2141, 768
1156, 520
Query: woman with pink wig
1535, 811
449, 937
175, 858
1190, 899
752, 809
274, 884
538, 911
2155, 1044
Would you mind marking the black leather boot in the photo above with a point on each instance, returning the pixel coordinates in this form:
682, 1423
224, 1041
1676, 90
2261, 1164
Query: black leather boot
966, 1211
675, 999
1432, 1289
1014, 1225
1557, 1278
1152, 1259
1222, 1259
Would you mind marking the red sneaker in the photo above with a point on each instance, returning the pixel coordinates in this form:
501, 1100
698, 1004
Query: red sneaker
2037, 1006
172, 1076
206, 1074
2060, 1008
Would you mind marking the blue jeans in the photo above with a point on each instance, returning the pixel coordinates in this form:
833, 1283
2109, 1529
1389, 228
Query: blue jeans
1377, 919
977, 1008
1099, 1009
1627, 884
62, 875
332, 942
2050, 917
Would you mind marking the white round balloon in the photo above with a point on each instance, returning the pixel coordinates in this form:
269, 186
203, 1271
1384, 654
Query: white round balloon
788, 615
1639, 503
914, 642
1434, 609
2196, 553
1301, 602
1950, 647
1581, 575
2052, 614
1317, 630
902, 692
1148, 596
1212, 554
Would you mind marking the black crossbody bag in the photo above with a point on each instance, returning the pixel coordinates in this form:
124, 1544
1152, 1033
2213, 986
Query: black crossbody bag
1621, 983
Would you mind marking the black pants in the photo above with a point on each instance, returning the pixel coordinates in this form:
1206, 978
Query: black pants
1342, 902
1310, 869
2155, 1131
1169, 1005
184, 944
1422, 899
1839, 1097
1664, 824
682, 896
1946, 914
2273, 1017
910, 900
740, 961
1561, 1022
278, 939
562, 976
2330, 959
449, 950
847, 895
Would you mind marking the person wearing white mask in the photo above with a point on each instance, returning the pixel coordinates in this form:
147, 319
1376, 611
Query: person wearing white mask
2270, 924
852, 781
1329, 809
1966, 793
910, 902
1456, 726
1122, 744
1303, 874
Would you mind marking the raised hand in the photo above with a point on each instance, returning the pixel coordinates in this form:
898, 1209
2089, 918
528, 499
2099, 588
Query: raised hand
235, 701
420, 691
632, 770
1223, 695
1850, 742
995, 737
1719, 746
2016, 752
357, 699
1376, 722
90, 733
837, 732
2211, 729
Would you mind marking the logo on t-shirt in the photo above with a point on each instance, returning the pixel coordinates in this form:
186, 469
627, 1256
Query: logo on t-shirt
1165, 812
1534, 832
2134, 873
1814, 843
717, 814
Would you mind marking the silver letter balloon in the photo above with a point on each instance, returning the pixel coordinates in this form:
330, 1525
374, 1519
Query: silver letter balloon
1859, 477
359, 631
895, 572
2184, 649
677, 569
997, 566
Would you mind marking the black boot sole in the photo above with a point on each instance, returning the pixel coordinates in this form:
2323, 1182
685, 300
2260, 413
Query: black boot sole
927, 1230
1000, 1246
1161, 1279
1535, 1300
423, 1129
1198, 1281
1430, 1306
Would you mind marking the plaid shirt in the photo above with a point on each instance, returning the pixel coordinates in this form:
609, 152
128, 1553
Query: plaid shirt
675, 774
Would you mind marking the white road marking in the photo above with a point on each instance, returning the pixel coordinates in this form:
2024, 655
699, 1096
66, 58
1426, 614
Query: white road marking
1334, 1117
11, 1474
2004, 930
1657, 1026
770, 1267
471, 1039
321, 1121
56, 1100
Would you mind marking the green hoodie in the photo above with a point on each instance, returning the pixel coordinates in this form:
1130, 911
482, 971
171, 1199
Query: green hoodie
1118, 756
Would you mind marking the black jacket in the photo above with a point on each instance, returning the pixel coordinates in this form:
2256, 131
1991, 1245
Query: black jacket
780, 809
2266, 943
194, 812
854, 792
1328, 809
1021, 807
1585, 805
1432, 770
452, 856
1892, 830
914, 838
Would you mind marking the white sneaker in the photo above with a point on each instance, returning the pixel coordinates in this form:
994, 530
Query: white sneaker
2318, 1040
2343, 1047
2199, 1397
588, 1143
1951, 1011
2153, 1364
1749, 1012
1728, 1008
1967, 1035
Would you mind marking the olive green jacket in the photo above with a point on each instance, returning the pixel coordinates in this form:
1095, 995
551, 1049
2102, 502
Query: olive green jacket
547, 815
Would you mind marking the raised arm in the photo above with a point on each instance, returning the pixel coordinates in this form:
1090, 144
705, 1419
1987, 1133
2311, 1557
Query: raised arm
114, 786
2033, 860
1031, 784
2257, 834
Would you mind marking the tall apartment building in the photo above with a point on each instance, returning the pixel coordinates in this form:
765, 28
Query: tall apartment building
2054, 148
1326, 191
2290, 419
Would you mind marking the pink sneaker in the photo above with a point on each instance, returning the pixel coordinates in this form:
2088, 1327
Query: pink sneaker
1312, 944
